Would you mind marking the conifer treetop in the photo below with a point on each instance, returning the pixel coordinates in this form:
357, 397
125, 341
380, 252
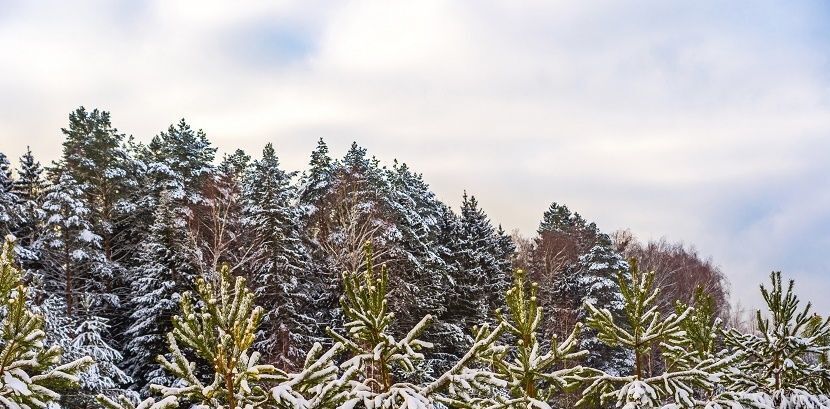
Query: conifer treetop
31, 373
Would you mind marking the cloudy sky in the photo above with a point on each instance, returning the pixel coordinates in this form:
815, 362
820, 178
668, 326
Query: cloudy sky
701, 121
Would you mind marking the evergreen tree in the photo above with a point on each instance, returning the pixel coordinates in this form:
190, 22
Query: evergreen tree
777, 364
380, 360
532, 378
9, 218
178, 170
280, 273
31, 373
95, 156
419, 286
218, 327
316, 182
71, 254
643, 330
182, 160
596, 285
168, 266
104, 375
481, 270
28, 188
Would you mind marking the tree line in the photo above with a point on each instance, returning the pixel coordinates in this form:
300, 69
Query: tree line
111, 235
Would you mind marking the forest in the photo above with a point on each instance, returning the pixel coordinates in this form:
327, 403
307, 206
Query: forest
156, 275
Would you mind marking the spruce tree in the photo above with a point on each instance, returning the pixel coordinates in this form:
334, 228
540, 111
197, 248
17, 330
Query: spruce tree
168, 265
71, 255
31, 372
316, 182
89, 339
9, 218
482, 272
419, 286
281, 270
596, 284
29, 189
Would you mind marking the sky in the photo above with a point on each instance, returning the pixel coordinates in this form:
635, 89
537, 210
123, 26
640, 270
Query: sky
705, 122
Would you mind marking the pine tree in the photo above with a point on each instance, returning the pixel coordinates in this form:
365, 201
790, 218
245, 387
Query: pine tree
95, 156
701, 351
776, 364
280, 273
643, 330
182, 158
31, 373
379, 359
533, 378
218, 327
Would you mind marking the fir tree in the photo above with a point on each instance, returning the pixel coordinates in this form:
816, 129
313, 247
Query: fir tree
31, 373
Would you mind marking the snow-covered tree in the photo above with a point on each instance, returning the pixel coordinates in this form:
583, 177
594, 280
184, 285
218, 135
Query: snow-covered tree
482, 273
218, 220
168, 266
70, 252
596, 284
642, 330
777, 364
316, 182
28, 188
31, 373
89, 339
9, 217
280, 272
533, 377
218, 327
383, 362
95, 156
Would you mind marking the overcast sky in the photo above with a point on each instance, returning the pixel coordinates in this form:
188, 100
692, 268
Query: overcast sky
701, 121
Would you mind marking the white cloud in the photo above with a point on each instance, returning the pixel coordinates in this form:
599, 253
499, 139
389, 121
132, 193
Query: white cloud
672, 118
